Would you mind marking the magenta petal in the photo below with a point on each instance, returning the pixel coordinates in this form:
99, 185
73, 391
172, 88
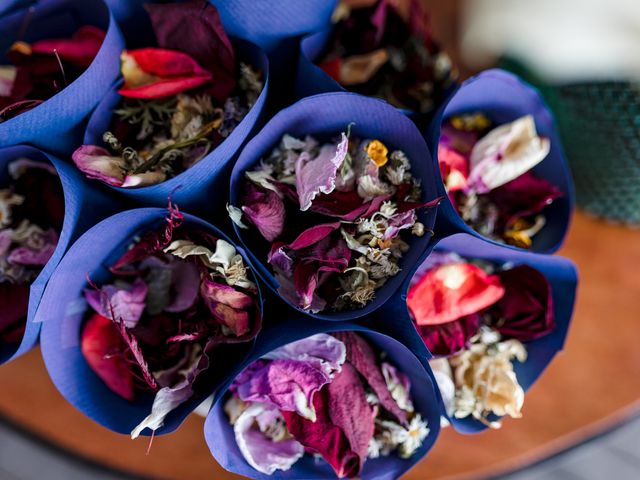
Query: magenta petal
449, 338
279, 259
286, 384
363, 358
287, 290
119, 305
313, 235
524, 196
525, 312
305, 278
315, 175
265, 209
349, 410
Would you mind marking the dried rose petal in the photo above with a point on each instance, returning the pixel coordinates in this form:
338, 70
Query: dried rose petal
449, 292
194, 28
363, 358
454, 168
321, 350
290, 385
212, 291
103, 348
505, 153
119, 305
525, 312
349, 410
14, 299
448, 338
235, 320
80, 49
522, 197
315, 175
323, 437
97, 163
261, 452
158, 73
265, 209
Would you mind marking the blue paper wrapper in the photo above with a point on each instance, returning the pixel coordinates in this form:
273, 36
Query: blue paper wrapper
133, 20
324, 116
204, 185
503, 98
9, 6
219, 433
57, 124
559, 272
82, 208
268, 22
63, 311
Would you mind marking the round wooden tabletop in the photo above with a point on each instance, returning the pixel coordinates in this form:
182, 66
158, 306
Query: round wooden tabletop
593, 384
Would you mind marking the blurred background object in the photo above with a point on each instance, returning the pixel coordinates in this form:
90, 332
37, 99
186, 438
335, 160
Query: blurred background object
583, 56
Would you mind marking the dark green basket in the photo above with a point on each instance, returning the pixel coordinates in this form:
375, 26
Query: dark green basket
599, 124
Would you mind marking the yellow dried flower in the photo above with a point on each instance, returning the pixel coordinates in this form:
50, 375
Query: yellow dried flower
471, 122
378, 152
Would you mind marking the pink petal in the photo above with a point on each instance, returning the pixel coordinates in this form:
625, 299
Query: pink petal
315, 175
214, 292
265, 209
80, 49
119, 305
96, 162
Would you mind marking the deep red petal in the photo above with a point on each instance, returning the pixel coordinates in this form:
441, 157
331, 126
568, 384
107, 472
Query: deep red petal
449, 338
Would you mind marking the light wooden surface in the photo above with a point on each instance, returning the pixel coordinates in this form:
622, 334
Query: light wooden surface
595, 382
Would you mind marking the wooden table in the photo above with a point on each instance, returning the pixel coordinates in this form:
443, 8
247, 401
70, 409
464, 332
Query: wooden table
592, 385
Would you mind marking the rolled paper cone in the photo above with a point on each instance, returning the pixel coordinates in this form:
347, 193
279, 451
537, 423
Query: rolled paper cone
268, 22
83, 207
57, 124
325, 116
201, 189
503, 98
63, 310
10, 5
562, 276
219, 432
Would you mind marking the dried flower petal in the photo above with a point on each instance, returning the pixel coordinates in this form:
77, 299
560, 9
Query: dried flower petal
317, 174
449, 292
103, 349
158, 73
265, 209
96, 162
264, 454
505, 153
117, 304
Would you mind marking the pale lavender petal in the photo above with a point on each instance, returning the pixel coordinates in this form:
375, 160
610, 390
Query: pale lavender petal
323, 351
96, 162
318, 174
125, 305
399, 386
31, 256
286, 384
262, 453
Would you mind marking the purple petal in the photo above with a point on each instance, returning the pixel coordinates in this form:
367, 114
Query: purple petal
279, 259
324, 352
286, 384
97, 163
315, 175
262, 453
185, 284
265, 209
125, 305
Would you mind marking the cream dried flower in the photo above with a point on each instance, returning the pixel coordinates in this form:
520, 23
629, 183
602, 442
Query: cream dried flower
484, 377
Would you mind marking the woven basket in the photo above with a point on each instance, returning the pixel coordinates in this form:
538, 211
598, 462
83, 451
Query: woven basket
600, 127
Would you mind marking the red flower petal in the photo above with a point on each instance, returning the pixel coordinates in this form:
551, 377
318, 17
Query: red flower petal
103, 347
324, 437
80, 49
313, 235
454, 168
524, 196
363, 359
449, 292
525, 312
14, 299
449, 338
157, 73
349, 410
194, 28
